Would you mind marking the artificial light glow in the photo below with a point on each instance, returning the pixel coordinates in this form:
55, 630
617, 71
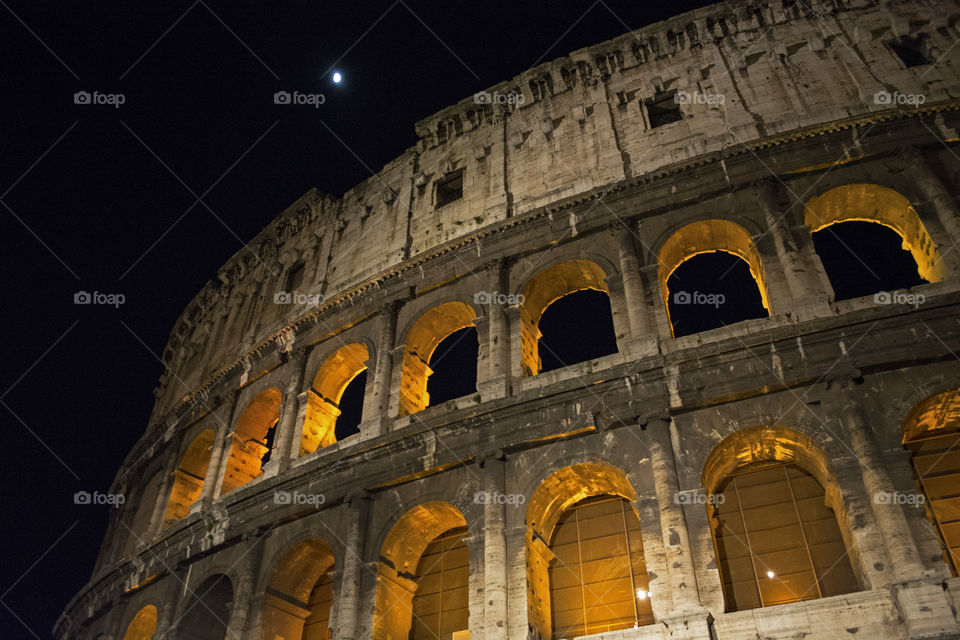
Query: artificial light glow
642, 594
337, 77
770, 574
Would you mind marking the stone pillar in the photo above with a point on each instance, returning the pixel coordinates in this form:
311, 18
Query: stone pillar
286, 436
948, 214
243, 609
643, 339
514, 329
163, 495
897, 537
494, 380
348, 606
516, 566
809, 298
493, 479
378, 404
673, 525
218, 452
661, 320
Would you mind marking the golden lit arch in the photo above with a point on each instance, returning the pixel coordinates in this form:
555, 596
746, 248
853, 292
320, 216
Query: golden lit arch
323, 399
708, 236
873, 203
299, 595
399, 557
773, 517
561, 491
250, 439
143, 625
545, 288
188, 482
423, 338
932, 434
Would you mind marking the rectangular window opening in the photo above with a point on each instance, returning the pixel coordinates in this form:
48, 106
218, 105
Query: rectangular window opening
450, 188
663, 109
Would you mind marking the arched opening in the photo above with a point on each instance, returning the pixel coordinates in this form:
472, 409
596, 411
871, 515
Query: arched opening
772, 515
931, 433
422, 576
208, 612
299, 597
565, 317
188, 478
422, 341
713, 287
586, 571
250, 444
870, 239
712, 290
143, 625
342, 376
139, 527
454, 366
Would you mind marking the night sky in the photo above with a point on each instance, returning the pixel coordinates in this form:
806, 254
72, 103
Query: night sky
149, 198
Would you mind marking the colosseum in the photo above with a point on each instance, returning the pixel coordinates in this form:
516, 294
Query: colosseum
784, 467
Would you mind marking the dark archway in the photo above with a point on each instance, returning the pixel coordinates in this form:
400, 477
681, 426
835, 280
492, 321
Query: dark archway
454, 366
863, 258
712, 290
576, 328
208, 612
351, 407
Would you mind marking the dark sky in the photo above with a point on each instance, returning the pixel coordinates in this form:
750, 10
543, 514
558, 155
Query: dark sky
105, 199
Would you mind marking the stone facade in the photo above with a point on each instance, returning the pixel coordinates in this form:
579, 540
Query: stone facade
576, 161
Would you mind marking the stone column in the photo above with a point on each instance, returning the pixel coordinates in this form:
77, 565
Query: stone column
348, 606
933, 189
243, 611
673, 525
809, 298
897, 537
513, 316
661, 321
493, 480
643, 340
163, 495
494, 380
377, 405
218, 452
282, 454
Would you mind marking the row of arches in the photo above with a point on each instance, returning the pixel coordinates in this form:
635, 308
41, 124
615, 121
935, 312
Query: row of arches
774, 506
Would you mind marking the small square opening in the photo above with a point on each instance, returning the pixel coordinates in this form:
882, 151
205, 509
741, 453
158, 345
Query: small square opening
911, 51
450, 188
663, 109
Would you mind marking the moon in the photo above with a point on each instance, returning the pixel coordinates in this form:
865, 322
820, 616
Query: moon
337, 77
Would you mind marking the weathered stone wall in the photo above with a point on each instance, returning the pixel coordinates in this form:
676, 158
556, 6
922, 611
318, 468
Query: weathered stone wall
577, 173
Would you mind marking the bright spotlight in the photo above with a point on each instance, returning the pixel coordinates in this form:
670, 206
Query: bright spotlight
770, 574
642, 594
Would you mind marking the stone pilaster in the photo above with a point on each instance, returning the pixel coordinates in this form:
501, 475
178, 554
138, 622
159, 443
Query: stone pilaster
493, 479
286, 436
378, 404
348, 606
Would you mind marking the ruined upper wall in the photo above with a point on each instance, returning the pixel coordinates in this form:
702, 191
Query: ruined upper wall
743, 71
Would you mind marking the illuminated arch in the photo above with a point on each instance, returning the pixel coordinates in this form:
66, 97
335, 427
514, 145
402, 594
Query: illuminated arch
545, 288
250, 439
188, 478
427, 332
556, 496
323, 404
299, 597
708, 236
873, 203
140, 526
143, 625
932, 434
399, 559
773, 518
